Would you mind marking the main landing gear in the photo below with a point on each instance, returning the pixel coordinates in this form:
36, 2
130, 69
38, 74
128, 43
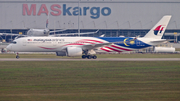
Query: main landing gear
89, 56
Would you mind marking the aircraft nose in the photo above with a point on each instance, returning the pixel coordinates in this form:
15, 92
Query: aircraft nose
8, 47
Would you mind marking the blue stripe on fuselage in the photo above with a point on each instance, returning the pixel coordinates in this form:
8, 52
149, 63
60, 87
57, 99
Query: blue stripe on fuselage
125, 42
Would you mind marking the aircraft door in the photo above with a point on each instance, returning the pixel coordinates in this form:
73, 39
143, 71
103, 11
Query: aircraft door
24, 42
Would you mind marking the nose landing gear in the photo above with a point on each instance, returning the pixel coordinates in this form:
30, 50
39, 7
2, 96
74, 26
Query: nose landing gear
17, 56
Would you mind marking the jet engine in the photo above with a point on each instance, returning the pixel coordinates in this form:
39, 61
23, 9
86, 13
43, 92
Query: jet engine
74, 51
70, 51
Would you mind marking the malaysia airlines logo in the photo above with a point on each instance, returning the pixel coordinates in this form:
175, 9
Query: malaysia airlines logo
158, 29
29, 39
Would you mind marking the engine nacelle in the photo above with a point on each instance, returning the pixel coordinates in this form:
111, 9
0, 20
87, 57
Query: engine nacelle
61, 53
74, 51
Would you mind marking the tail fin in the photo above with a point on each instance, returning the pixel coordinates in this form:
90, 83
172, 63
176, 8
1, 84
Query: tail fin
47, 22
158, 30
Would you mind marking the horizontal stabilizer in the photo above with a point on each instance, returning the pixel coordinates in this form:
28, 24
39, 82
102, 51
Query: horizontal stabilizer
162, 40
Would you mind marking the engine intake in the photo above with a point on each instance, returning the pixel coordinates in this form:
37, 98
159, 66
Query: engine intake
74, 51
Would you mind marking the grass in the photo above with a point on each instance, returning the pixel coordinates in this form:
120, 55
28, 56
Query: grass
90, 81
177, 49
98, 55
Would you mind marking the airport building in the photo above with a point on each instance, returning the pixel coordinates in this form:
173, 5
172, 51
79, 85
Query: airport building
113, 18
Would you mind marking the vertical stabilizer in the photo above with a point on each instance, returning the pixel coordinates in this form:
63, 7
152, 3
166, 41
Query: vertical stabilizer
158, 30
47, 22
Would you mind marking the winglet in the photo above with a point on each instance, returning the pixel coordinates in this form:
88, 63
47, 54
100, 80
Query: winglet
97, 31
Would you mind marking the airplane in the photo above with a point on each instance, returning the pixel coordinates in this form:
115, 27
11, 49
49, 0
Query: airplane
45, 32
39, 32
42, 32
88, 46
36, 32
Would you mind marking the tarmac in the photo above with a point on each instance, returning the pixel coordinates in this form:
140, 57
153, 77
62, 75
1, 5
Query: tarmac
98, 59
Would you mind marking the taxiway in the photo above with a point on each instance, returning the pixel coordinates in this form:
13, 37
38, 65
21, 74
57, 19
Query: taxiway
98, 59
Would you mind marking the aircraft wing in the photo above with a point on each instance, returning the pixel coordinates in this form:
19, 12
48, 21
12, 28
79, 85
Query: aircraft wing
162, 40
57, 30
94, 46
77, 33
12, 34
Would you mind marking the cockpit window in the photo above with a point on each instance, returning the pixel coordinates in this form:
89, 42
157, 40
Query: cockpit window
19, 37
14, 42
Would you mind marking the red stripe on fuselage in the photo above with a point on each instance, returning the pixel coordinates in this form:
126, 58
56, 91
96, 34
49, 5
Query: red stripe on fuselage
83, 40
113, 49
105, 50
74, 44
120, 48
47, 48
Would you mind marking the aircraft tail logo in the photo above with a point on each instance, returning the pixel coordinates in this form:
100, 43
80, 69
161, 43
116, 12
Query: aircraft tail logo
158, 29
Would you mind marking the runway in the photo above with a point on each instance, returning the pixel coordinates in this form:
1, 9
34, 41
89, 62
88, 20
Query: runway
99, 59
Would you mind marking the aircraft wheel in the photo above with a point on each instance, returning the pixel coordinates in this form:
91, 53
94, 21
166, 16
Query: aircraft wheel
83, 56
94, 57
89, 56
17, 57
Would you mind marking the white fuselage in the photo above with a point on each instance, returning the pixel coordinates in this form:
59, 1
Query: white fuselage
55, 44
